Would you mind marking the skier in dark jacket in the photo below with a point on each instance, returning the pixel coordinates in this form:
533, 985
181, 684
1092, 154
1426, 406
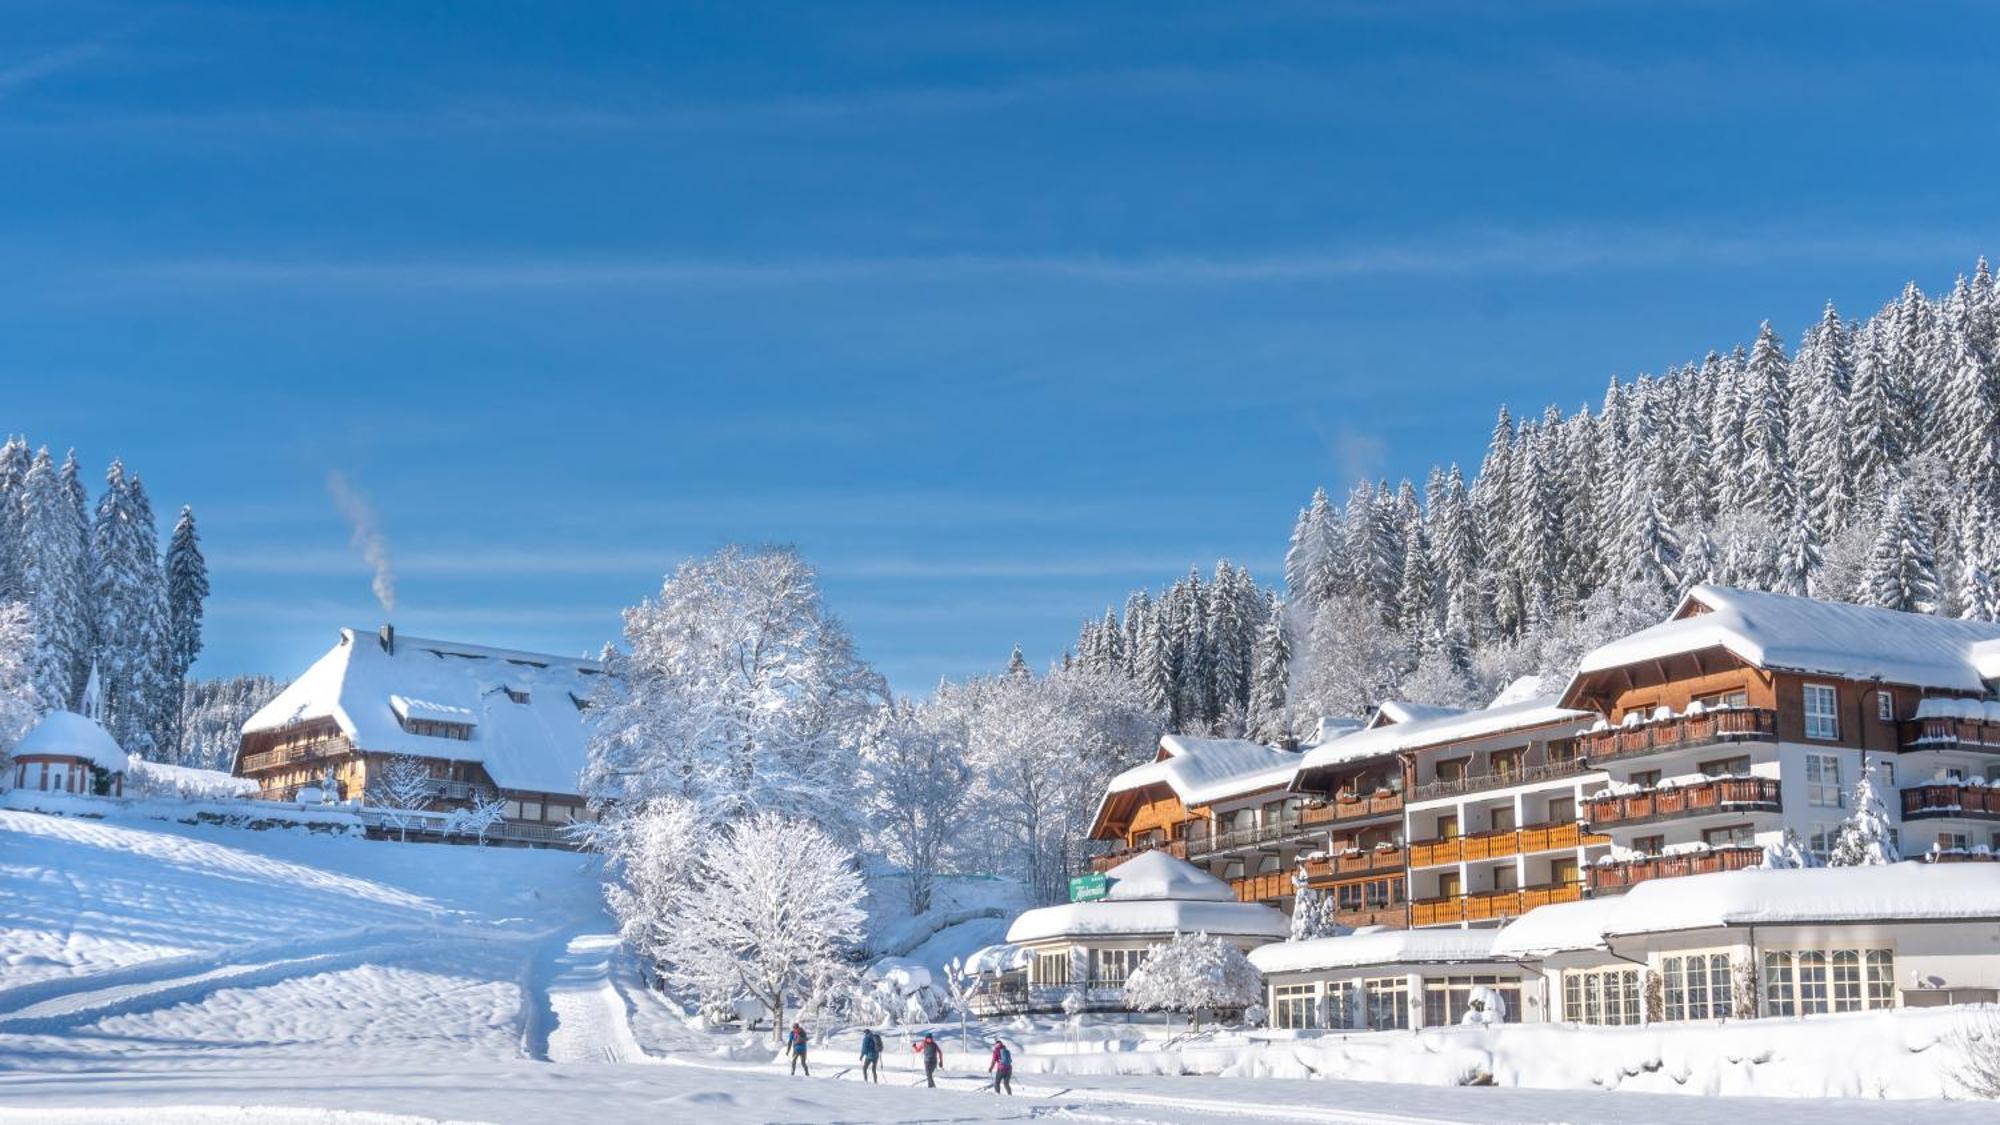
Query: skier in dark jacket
871, 1056
933, 1058
1002, 1067
795, 1043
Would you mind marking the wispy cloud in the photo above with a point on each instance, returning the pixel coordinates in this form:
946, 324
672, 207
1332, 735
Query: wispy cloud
1468, 253
19, 75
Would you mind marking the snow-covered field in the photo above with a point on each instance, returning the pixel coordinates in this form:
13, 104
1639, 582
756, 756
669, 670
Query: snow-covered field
163, 972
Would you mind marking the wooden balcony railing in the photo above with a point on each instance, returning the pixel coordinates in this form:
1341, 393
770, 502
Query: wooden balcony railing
1949, 734
1498, 779
1341, 866
1289, 830
1269, 886
1960, 857
1107, 861
1393, 916
1682, 732
332, 747
1964, 802
1485, 906
1506, 842
1619, 876
1353, 808
1722, 794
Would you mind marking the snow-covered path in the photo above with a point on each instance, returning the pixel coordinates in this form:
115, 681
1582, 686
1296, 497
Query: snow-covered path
582, 1016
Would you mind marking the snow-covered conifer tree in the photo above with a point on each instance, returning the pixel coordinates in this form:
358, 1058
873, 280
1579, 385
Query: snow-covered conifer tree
1788, 852
1865, 836
1312, 910
19, 703
14, 464
1194, 974
1901, 571
48, 581
1270, 687
769, 917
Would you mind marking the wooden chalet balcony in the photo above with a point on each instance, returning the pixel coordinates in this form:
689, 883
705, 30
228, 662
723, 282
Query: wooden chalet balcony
1506, 842
1961, 857
1949, 734
1290, 830
1719, 795
336, 746
1963, 802
1342, 866
1498, 779
1344, 808
1485, 906
445, 790
1619, 876
1393, 916
1262, 888
1107, 861
1682, 732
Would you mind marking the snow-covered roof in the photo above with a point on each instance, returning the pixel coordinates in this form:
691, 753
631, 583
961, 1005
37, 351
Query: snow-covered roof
1331, 727
1378, 947
1761, 897
1392, 711
1152, 918
1154, 893
1520, 689
68, 734
1202, 770
1002, 958
1973, 710
1155, 875
1437, 729
527, 728
1560, 927
1793, 634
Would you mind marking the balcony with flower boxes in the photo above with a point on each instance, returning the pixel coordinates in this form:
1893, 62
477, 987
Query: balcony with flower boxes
1723, 726
1674, 802
1353, 863
1484, 906
1955, 801
1500, 844
1606, 877
1346, 807
1499, 779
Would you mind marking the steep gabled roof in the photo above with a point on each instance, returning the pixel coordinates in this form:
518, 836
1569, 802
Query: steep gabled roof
1779, 632
1202, 771
527, 728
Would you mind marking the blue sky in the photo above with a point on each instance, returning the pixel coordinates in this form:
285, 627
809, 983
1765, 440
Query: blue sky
997, 311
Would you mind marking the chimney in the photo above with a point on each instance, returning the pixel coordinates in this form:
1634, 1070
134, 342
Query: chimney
388, 636
1288, 743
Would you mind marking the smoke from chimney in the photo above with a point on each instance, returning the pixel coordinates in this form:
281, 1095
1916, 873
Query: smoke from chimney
367, 537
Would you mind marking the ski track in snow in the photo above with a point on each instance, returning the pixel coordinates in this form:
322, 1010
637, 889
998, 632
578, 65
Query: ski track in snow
582, 1016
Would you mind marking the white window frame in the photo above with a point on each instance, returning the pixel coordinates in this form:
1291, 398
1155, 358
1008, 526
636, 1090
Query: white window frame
1816, 981
1697, 986
1822, 725
1821, 791
1885, 706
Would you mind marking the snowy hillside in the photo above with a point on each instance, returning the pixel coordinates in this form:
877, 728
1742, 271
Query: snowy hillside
162, 973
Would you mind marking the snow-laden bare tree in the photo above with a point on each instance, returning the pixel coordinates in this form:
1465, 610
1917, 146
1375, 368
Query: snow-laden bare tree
1193, 974
914, 781
1865, 839
654, 851
1041, 750
738, 692
767, 917
400, 789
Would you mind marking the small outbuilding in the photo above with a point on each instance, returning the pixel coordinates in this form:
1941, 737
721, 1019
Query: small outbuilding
69, 753
1091, 947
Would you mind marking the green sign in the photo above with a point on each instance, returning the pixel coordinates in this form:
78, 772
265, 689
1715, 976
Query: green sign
1088, 888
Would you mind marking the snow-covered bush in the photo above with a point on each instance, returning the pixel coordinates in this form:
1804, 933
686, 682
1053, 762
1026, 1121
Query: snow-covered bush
1789, 852
476, 819
1486, 1006
1194, 973
157, 779
768, 914
1979, 1041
